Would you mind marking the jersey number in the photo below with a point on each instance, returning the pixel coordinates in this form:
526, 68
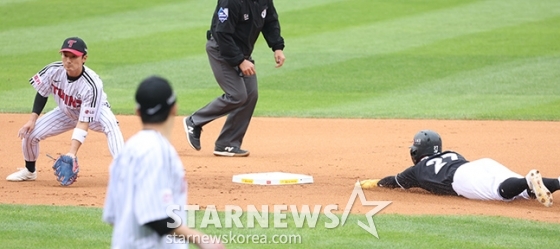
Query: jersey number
439, 162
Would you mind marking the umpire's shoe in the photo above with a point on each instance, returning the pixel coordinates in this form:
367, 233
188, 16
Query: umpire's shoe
193, 132
231, 151
535, 182
22, 175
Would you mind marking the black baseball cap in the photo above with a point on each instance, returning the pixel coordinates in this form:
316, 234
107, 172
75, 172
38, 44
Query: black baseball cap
74, 45
155, 97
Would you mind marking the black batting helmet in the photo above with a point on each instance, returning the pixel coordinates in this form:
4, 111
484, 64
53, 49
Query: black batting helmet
425, 143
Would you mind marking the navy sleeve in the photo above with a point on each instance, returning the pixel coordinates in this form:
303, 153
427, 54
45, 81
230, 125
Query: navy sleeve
160, 226
388, 182
271, 29
39, 103
223, 34
408, 179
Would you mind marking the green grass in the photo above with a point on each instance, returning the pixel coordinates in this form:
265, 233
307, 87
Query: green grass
441, 59
81, 227
52, 227
356, 59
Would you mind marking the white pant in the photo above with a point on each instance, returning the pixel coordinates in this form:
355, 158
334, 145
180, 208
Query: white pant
56, 122
480, 180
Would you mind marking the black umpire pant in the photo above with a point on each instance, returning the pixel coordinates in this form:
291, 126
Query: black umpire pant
238, 101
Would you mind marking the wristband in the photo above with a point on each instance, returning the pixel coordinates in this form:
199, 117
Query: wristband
79, 135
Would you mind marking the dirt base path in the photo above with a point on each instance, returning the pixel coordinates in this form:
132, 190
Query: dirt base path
336, 152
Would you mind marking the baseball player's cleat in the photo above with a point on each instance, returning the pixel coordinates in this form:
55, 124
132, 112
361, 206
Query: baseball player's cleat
22, 175
231, 151
193, 132
542, 194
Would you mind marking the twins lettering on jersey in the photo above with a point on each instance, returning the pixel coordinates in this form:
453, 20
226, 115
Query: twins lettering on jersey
68, 100
37, 79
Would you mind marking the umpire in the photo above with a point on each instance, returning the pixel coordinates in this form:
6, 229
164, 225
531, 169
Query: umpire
236, 25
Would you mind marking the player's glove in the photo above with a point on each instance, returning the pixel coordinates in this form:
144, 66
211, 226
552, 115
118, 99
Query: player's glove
66, 170
368, 184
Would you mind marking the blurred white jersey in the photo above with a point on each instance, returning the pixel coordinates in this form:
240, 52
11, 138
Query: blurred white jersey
145, 179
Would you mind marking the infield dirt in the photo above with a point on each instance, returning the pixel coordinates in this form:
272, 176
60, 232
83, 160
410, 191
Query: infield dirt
336, 152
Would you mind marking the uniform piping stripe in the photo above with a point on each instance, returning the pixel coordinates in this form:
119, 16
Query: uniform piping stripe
96, 95
54, 64
91, 82
45, 69
396, 179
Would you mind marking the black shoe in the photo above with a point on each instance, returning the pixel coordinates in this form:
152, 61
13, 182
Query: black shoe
531, 194
230, 151
193, 132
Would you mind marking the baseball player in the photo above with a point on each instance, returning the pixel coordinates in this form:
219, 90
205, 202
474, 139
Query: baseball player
148, 176
449, 173
235, 27
81, 105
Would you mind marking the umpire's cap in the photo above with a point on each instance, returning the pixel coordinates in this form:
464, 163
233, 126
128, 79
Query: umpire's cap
74, 45
154, 99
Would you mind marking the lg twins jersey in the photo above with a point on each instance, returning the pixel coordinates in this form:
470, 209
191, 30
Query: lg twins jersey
146, 179
79, 99
434, 173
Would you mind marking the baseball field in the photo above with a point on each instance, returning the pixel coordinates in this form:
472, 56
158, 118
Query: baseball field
360, 79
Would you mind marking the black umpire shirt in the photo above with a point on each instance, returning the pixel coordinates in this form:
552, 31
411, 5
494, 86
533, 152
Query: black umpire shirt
434, 174
236, 25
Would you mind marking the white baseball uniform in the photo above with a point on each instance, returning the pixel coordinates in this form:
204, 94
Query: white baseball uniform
145, 179
80, 100
481, 179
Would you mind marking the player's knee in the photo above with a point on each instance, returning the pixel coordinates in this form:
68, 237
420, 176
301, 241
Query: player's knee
31, 139
512, 187
238, 99
253, 96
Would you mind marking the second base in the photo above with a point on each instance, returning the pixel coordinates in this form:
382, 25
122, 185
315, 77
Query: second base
272, 178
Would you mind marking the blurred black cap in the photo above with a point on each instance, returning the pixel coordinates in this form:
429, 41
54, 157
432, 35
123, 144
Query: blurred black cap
154, 96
